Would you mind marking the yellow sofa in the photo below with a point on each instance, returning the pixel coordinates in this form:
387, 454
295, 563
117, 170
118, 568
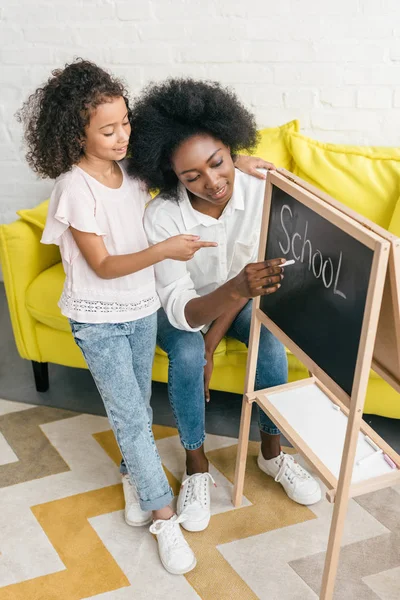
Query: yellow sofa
367, 179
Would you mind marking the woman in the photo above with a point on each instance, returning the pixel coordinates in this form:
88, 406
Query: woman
186, 135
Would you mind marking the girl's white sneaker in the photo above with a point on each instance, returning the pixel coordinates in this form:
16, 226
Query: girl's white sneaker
175, 553
134, 515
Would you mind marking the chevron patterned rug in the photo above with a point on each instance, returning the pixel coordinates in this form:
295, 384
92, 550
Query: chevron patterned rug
63, 536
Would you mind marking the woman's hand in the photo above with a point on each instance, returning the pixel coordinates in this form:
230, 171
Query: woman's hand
259, 279
183, 247
208, 369
251, 164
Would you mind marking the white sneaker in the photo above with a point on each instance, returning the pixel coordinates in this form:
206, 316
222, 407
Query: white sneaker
299, 485
194, 501
134, 515
175, 553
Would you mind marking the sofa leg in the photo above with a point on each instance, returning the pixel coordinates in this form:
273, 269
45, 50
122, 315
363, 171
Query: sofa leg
41, 373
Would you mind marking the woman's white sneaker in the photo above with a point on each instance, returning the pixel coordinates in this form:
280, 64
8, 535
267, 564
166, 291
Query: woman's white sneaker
194, 501
134, 515
175, 553
299, 485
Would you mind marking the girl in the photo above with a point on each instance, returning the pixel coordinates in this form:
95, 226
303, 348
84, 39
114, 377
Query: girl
186, 134
77, 128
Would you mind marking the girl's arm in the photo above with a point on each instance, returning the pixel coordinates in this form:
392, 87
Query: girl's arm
251, 164
107, 266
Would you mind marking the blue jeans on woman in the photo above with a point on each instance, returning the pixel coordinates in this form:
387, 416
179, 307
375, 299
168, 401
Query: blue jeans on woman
185, 351
120, 358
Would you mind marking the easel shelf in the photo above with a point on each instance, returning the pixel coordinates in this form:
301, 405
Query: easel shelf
305, 410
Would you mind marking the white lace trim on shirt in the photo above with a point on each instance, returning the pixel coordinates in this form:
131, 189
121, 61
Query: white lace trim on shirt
100, 306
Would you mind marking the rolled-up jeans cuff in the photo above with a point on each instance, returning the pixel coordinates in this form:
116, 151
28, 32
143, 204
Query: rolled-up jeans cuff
268, 429
158, 503
193, 446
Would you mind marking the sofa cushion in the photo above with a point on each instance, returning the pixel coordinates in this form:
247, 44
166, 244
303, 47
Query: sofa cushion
42, 297
44, 292
273, 147
394, 226
36, 215
367, 179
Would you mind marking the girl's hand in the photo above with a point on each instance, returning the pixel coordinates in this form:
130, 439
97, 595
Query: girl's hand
183, 247
251, 164
259, 279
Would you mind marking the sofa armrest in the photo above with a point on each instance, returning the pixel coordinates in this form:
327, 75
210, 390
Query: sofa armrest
23, 258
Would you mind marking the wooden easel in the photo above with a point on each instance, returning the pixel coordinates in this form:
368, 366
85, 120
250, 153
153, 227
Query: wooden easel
379, 347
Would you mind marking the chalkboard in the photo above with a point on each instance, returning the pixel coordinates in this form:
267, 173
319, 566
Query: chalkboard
321, 302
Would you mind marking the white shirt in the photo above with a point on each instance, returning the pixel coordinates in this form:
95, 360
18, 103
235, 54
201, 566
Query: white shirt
80, 201
237, 232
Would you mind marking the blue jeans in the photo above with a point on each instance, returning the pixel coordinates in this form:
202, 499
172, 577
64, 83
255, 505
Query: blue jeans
120, 358
185, 351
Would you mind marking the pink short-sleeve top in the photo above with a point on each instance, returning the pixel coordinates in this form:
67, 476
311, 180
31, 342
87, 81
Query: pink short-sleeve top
80, 201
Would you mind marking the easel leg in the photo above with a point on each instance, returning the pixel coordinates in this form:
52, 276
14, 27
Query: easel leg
333, 549
245, 419
341, 503
241, 456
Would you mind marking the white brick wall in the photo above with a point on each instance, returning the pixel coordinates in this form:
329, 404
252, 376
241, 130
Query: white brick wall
335, 65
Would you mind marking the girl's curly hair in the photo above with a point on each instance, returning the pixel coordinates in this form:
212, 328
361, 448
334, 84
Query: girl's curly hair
55, 116
168, 113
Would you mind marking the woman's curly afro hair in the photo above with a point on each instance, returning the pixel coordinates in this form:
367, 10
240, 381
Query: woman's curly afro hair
55, 116
168, 113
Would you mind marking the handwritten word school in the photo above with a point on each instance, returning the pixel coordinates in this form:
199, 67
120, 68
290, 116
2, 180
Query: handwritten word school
321, 267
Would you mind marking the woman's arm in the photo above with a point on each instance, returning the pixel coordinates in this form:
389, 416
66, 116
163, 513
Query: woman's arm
107, 266
220, 326
213, 337
256, 279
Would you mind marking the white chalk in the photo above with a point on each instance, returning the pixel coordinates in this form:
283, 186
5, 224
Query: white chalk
288, 262
366, 458
335, 406
371, 443
374, 446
